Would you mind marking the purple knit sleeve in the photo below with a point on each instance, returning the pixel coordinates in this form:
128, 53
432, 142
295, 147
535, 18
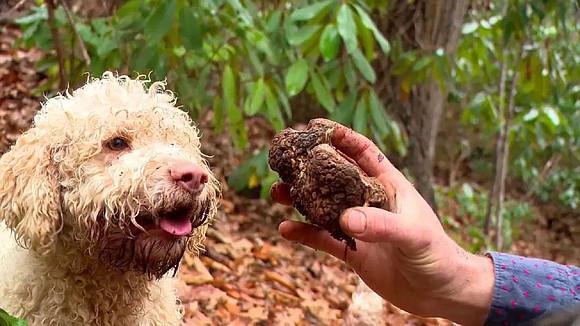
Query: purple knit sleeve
527, 288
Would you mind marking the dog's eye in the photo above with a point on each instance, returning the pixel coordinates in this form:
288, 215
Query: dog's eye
118, 144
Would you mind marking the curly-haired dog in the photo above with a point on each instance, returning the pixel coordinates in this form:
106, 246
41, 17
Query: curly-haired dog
99, 200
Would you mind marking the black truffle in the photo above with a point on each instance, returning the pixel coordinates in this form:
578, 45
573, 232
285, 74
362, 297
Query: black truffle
323, 182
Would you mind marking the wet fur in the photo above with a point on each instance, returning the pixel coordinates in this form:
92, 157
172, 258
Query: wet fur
72, 244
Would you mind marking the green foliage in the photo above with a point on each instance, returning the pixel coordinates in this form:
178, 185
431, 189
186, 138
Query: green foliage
237, 58
254, 173
536, 41
471, 206
7, 320
243, 58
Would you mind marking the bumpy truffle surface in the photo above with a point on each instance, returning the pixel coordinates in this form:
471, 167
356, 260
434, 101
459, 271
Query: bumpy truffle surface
323, 183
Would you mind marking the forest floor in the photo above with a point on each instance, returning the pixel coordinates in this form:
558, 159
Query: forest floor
249, 275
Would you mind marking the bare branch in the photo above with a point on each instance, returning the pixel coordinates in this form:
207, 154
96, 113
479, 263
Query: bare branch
550, 164
504, 160
491, 202
78, 36
497, 194
51, 6
7, 16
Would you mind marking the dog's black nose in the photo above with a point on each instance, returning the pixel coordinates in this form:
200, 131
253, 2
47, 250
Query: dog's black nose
189, 176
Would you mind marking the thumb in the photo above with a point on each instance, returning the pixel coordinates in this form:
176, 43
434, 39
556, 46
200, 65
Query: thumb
372, 224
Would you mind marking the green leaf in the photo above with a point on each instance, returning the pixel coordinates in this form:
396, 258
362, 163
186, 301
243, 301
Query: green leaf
343, 114
240, 177
404, 62
552, 116
360, 116
88, 36
229, 87
329, 42
422, 63
8, 320
273, 109
242, 12
259, 40
128, 8
378, 136
189, 29
273, 23
219, 115
283, 98
469, 28
350, 74
398, 137
296, 77
161, 66
256, 166
160, 21
28, 33
267, 182
303, 34
366, 39
256, 62
378, 112
476, 233
322, 92
235, 117
347, 27
40, 14
368, 23
363, 66
257, 97
531, 115
309, 12
508, 28
143, 59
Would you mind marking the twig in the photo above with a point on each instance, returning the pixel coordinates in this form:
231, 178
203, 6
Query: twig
505, 156
50, 6
553, 161
493, 194
278, 278
216, 256
4, 17
455, 166
74, 28
501, 108
497, 194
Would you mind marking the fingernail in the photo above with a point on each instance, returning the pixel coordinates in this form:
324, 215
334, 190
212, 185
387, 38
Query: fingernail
357, 221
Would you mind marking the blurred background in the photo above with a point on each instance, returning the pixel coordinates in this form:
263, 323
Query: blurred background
478, 102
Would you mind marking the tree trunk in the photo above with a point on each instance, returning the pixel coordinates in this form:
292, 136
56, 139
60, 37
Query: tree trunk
492, 201
504, 161
426, 26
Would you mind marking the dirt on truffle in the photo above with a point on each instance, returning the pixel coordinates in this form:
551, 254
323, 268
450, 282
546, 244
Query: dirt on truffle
323, 182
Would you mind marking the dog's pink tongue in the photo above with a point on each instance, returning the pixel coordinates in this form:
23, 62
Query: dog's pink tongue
178, 226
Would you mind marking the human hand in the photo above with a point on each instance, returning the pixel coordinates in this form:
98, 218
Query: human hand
404, 255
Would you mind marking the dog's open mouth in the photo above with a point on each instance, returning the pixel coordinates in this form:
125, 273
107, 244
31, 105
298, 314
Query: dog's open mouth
177, 222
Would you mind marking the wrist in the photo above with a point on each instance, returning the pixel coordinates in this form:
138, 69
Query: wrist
468, 303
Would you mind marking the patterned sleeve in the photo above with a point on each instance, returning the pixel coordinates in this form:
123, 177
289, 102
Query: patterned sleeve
527, 288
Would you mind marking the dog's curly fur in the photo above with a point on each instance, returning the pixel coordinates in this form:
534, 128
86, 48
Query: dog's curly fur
79, 236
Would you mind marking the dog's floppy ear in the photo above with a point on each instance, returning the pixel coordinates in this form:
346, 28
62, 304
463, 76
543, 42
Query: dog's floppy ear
29, 193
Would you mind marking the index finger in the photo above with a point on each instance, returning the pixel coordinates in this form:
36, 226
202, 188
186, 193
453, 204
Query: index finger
364, 152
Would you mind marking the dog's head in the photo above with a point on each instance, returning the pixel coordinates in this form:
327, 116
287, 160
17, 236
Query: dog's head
113, 171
